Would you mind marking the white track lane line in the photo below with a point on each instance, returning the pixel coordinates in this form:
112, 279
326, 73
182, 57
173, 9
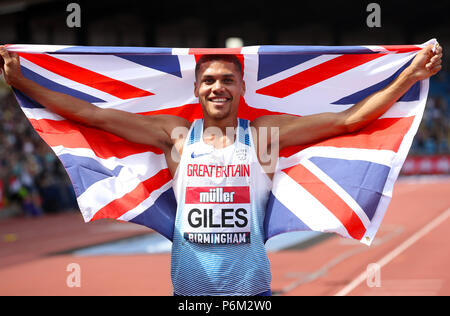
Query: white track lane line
397, 251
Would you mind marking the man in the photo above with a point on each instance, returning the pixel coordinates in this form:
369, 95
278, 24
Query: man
218, 246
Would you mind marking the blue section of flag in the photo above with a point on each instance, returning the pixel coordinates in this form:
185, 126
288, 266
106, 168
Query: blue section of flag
272, 64
166, 63
274, 59
362, 180
285, 50
25, 101
413, 94
161, 215
279, 219
113, 50
264, 49
49, 84
85, 171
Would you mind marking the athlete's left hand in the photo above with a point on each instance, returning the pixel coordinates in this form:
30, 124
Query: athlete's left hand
426, 63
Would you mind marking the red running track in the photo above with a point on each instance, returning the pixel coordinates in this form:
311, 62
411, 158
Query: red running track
411, 251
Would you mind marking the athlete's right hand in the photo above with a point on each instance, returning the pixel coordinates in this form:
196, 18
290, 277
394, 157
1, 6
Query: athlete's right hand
10, 66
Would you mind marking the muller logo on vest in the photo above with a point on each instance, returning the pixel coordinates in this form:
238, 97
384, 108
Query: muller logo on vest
217, 215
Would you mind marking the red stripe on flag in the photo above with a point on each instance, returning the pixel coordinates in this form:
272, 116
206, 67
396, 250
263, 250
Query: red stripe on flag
383, 134
250, 113
328, 198
87, 77
401, 48
214, 51
190, 112
72, 135
132, 199
316, 74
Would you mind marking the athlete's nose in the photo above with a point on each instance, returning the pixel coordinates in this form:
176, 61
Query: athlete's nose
218, 86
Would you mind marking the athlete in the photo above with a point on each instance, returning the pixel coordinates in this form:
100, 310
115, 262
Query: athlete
221, 181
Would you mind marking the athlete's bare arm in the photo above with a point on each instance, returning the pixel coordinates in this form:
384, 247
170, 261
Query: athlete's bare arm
155, 130
295, 130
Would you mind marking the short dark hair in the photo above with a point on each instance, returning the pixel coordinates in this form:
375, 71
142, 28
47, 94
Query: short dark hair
223, 57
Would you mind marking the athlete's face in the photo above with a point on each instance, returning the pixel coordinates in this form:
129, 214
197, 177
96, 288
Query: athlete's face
219, 87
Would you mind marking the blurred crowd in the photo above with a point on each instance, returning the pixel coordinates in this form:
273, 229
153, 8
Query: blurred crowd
433, 136
33, 181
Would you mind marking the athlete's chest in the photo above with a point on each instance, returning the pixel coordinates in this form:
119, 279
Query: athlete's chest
216, 207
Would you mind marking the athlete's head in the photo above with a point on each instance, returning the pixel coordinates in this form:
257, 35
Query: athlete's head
219, 85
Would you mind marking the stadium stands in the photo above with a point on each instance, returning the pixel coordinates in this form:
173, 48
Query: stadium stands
32, 180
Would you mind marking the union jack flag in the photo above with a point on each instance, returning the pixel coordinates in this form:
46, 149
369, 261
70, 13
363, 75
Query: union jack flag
341, 185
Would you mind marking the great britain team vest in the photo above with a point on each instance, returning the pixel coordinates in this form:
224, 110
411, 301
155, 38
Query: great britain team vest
218, 243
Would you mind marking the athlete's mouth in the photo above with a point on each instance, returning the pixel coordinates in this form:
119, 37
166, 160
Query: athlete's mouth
219, 99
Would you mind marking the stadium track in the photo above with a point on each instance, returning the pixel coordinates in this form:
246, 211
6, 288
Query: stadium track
411, 249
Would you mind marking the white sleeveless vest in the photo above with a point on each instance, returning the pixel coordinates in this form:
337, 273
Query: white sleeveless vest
218, 243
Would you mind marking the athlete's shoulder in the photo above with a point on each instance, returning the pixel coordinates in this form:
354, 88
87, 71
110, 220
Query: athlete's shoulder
174, 120
274, 120
264, 121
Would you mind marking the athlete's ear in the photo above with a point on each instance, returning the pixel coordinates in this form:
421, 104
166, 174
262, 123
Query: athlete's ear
243, 88
195, 89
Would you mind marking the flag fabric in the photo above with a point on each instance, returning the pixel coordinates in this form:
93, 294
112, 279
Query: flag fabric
341, 185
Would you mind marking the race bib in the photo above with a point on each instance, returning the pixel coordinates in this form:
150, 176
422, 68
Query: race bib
217, 215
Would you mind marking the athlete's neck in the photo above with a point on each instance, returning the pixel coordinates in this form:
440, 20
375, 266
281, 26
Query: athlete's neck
219, 133
222, 124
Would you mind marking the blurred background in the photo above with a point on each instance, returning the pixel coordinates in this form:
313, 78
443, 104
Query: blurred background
33, 182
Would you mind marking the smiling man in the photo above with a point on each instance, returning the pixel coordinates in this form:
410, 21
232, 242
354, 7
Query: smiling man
219, 86
219, 178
